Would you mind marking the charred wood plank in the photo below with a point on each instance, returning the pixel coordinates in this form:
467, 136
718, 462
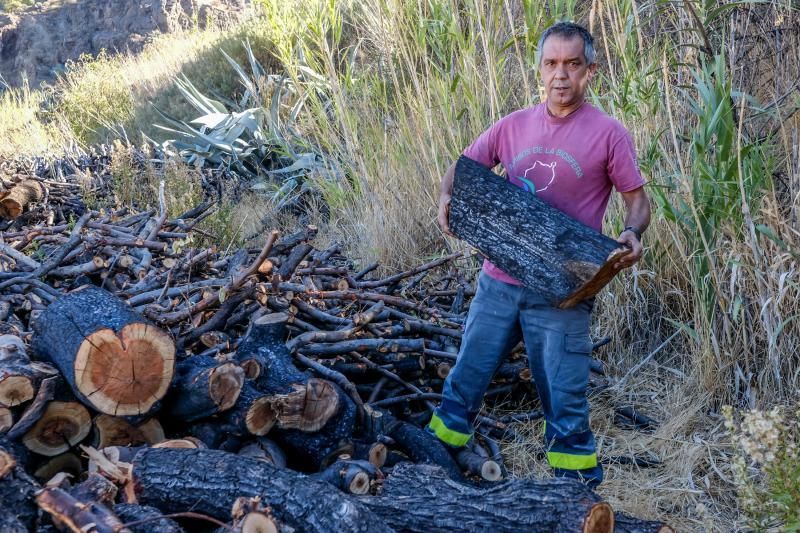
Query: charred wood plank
546, 250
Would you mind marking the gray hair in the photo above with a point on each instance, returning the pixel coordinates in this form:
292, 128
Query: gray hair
568, 30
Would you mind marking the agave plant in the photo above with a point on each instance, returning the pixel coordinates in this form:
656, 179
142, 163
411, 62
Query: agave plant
250, 139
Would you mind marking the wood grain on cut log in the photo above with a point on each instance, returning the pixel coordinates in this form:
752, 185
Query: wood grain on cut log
422, 498
62, 425
6, 419
20, 379
24, 193
179, 480
539, 245
114, 431
112, 358
251, 516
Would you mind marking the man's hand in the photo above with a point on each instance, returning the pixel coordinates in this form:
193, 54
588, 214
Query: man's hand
444, 213
631, 241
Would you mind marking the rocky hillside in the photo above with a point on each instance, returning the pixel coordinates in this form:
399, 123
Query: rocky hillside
38, 41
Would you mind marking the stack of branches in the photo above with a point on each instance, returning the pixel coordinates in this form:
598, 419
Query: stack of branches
50, 190
266, 389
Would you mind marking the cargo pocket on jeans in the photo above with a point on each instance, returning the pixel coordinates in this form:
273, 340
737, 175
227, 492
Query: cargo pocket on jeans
573, 369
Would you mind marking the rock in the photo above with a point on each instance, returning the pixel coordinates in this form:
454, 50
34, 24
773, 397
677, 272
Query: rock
34, 42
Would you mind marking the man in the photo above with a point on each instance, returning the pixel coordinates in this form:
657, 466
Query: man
570, 155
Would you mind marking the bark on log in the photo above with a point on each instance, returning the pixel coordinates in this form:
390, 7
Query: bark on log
152, 520
349, 476
539, 245
18, 511
263, 449
203, 387
179, 480
422, 498
114, 360
421, 446
253, 413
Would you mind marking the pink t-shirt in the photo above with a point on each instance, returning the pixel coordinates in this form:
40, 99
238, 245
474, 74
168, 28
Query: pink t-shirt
571, 163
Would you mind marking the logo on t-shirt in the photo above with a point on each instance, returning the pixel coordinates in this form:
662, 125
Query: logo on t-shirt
538, 173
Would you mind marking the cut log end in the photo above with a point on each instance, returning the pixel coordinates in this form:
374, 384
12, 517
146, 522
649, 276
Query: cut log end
7, 463
258, 523
491, 471
261, 416
66, 464
600, 519
251, 367
113, 431
63, 425
15, 390
125, 374
309, 407
225, 384
377, 454
6, 419
359, 483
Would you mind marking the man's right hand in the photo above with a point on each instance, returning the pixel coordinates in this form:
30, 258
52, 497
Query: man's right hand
444, 213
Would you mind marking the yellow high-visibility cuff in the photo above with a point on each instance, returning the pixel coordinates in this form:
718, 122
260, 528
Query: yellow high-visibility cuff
453, 438
570, 461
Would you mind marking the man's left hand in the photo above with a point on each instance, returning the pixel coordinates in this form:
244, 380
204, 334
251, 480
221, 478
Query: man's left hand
631, 241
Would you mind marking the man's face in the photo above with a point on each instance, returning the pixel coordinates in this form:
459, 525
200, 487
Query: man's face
565, 73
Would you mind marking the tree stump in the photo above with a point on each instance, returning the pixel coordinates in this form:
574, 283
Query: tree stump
113, 359
539, 245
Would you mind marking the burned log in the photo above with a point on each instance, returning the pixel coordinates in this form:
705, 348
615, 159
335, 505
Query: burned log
24, 193
18, 511
179, 480
19, 376
546, 250
203, 387
145, 519
113, 359
422, 498
349, 476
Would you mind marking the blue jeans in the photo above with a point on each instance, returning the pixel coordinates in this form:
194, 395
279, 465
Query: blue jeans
559, 350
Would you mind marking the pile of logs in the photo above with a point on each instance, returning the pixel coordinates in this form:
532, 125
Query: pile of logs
150, 385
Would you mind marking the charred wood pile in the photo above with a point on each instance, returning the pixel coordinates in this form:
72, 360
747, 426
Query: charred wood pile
147, 384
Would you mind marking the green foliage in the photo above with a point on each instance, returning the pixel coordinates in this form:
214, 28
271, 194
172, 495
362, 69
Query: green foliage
257, 142
727, 175
93, 97
9, 6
